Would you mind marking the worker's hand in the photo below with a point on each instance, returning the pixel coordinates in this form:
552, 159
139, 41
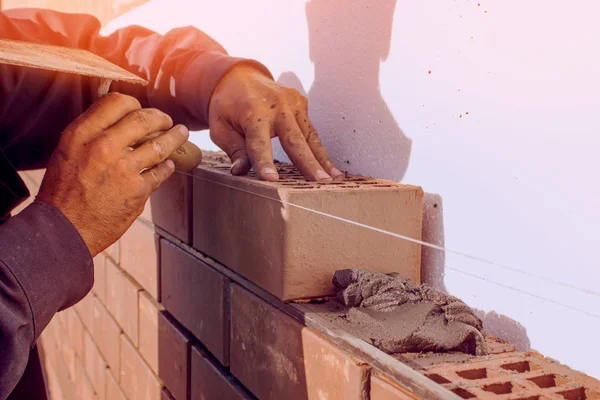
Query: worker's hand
247, 109
94, 177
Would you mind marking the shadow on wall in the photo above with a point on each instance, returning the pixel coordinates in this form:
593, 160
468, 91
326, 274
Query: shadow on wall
433, 263
348, 41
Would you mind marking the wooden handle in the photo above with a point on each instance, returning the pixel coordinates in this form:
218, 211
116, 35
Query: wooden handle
185, 158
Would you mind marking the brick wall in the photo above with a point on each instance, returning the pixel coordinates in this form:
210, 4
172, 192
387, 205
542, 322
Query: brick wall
165, 322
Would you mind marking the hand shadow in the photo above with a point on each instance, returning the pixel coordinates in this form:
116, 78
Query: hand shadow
348, 41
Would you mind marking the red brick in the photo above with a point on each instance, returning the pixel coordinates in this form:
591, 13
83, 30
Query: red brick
383, 389
173, 358
171, 207
106, 334
100, 277
95, 367
293, 253
85, 310
210, 380
136, 377
68, 355
83, 386
122, 300
113, 391
195, 294
113, 252
276, 357
148, 330
75, 331
139, 256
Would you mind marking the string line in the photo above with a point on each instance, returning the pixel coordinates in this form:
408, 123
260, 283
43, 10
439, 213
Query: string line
404, 237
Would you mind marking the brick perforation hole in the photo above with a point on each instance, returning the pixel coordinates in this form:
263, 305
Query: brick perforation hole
473, 374
575, 394
547, 381
464, 393
519, 367
438, 378
528, 398
499, 388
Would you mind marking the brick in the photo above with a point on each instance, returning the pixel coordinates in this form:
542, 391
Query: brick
173, 358
68, 355
148, 329
122, 300
113, 391
106, 334
75, 332
383, 389
84, 309
136, 377
291, 252
139, 256
100, 277
276, 357
196, 295
83, 386
514, 375
95, 367
171, 207
113, 252
209, 380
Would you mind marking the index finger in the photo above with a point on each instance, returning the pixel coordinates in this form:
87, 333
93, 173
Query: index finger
101, 115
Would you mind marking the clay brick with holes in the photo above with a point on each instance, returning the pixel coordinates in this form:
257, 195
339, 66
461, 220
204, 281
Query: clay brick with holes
514, 376
292, 252
122, 300
196, 295
173, 357
171, 207
136, 377
276, 357
209, 380
139, 256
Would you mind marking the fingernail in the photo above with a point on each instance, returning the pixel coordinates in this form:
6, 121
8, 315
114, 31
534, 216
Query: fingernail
336, 172
323, 175
269, 171
170, 164
184, 131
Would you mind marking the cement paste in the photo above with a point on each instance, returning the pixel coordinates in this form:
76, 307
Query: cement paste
399, 317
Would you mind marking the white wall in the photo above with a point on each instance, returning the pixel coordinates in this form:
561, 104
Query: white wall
515, 180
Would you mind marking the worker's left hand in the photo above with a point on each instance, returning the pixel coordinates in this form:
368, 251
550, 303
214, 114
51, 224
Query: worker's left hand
248, 109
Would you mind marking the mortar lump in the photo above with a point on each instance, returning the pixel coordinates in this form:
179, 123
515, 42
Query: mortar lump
398, 316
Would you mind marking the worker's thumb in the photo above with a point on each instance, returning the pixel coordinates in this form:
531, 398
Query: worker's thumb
232, 143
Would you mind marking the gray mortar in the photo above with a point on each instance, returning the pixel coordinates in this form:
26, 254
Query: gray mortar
397, 316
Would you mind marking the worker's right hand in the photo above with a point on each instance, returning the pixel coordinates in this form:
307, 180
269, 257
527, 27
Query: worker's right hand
94, 177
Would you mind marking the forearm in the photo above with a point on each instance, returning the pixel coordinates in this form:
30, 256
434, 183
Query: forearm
182, 68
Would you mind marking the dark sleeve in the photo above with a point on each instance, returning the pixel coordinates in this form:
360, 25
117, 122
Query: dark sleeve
182, 67
45, 267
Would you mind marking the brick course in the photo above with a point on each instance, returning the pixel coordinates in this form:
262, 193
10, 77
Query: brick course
292, 253
277, 358
195, 294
